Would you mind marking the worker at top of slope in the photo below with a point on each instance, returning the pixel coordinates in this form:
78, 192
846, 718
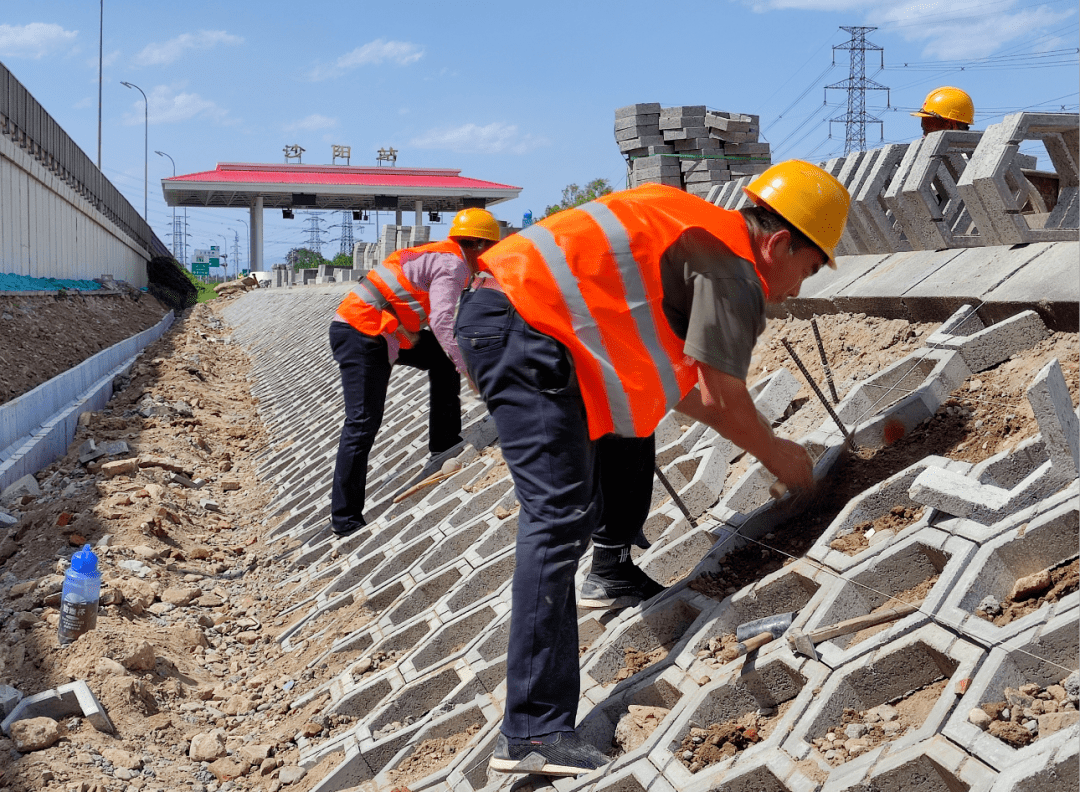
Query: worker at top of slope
581, 332
402, 312
946, 108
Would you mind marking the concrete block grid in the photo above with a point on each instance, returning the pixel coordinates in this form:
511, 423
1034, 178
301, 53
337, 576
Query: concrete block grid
689, 146
435, 572
960, 189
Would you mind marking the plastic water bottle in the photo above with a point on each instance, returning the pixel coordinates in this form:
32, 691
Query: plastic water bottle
79, 599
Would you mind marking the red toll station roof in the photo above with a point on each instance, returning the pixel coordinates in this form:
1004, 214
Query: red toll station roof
235, 184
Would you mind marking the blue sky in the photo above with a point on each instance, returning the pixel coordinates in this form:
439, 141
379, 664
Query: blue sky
518, 93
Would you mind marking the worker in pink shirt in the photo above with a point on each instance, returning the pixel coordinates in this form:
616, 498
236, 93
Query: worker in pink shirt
402, 313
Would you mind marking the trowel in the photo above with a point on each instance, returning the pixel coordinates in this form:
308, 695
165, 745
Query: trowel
755, 634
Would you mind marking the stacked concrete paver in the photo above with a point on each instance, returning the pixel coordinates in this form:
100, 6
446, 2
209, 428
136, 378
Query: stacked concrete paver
436, 568
688, 146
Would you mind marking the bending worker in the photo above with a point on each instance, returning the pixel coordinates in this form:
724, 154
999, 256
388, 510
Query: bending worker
946, 108
582, 332
402, 312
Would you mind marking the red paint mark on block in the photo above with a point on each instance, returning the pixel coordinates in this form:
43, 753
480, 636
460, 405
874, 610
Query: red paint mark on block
894, 430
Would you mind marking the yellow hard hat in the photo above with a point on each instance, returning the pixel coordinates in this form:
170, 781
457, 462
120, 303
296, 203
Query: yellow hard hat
948, 102
807, 197
478, 223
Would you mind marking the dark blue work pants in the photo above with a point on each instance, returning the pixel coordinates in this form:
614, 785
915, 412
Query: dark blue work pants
365, 374
528, 382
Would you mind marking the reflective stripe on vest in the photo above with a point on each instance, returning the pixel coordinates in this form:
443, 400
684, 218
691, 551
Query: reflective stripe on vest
382, 279
590, 277
385, 298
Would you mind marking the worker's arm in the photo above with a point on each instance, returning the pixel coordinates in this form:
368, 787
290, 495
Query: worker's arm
722, 402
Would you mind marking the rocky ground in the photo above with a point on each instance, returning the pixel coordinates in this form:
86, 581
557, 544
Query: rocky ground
184, 657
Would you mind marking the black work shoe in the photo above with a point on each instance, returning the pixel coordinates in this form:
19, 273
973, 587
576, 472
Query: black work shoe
560, 754
623, 588
348, 531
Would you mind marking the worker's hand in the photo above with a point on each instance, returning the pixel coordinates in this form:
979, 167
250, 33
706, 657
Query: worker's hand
410, 338
791, 463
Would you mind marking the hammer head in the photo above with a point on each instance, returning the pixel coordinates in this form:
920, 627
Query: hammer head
775, 625
801, 644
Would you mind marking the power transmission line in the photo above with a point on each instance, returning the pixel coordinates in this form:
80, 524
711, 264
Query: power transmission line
856, 85
315, 232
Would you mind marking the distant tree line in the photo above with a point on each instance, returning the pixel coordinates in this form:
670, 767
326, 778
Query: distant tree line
305, 258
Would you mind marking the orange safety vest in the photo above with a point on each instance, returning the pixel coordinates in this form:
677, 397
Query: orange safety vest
590, 278
385, 298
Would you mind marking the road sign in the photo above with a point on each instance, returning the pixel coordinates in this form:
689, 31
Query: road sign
200, 270
201, 257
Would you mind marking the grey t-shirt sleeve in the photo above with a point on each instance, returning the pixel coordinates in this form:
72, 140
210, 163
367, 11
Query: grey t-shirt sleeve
726, 317
714, 301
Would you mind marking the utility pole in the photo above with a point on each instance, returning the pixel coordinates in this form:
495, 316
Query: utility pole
236, 252
856, 85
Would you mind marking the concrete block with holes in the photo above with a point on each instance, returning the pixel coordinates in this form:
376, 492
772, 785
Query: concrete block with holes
874, 220
1045, 654
1050, 401
984, 347
873, 503
917, 659
992, 181
761, 685
1023, 546
934, 765
923, 195
880, 581
1053, 768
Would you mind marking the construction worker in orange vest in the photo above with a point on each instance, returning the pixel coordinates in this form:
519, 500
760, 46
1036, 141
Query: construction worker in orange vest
402, 313
946, 108
581, 333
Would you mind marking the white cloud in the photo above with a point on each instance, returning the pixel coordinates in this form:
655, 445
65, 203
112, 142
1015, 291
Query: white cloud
954, 30
166, 106
495, 138
171, 50
374, 53
312, 123
34, 40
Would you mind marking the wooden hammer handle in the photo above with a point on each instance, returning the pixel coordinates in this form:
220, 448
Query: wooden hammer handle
861, 622
755, 642
435, 479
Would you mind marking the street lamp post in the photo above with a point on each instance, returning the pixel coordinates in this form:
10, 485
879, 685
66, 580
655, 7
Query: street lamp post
226, 257
146, 145
163, 154
247, 229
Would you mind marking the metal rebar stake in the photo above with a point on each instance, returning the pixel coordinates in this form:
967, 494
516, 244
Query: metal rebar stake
848, 437
824, 361
674, 495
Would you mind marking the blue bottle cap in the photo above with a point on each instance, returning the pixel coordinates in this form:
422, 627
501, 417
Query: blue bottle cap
84, 562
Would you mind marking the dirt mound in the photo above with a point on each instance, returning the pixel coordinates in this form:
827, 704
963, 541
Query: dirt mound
45, 336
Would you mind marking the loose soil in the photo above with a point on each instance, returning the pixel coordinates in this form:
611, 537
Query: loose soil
41, 337
894, 521
862, 731
1029, 713
1061, 581
187, 642
430, 756
636, 726
703, 747
638, 660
